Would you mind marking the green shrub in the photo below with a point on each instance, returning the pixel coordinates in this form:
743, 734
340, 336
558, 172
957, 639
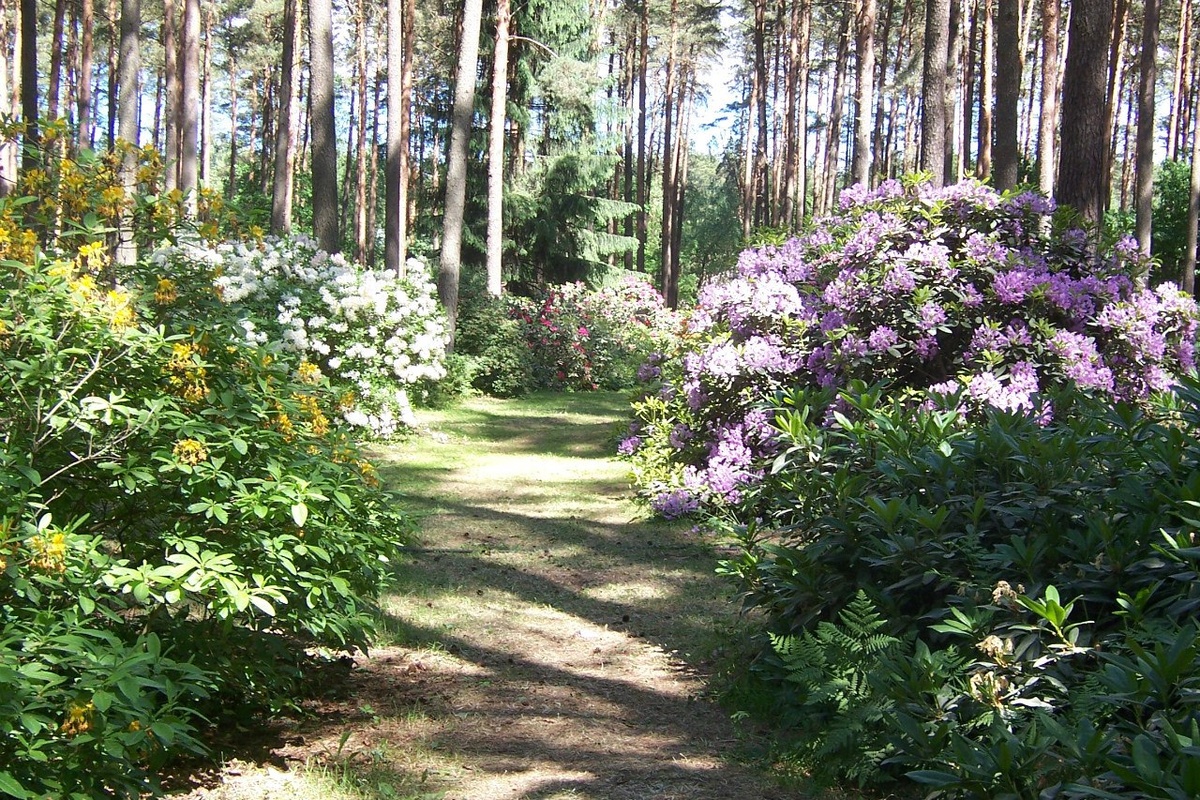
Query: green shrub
179, 517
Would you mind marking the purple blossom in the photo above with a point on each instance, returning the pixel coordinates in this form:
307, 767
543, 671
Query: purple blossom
932, 315
1012, 286
629, 445
882, 338
675, 503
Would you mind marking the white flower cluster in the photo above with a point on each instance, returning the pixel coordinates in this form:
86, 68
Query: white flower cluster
373, 333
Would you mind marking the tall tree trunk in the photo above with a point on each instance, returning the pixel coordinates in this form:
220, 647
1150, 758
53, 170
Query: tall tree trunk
879, 154
1081, 177
1116, 71
114, 47
190, 105
987, 84
1183, 49
1008, 92
803, 11
8, 148
56, 59
643, 69
87, 24
954, 167
174, 95
206, 99
407, 173
761, 190
1187, 277
456, 167
968, 111
289, 116
669, 282
324, 136
865, 78
495, 226
394, 212
1145, 124
933, 107
837, 106
1048, 119
747, 177
29, 85
360, 161
231, 183
129, 65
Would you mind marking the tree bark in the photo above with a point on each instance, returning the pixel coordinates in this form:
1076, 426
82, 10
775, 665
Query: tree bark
189, 116
360, 161
1008, 93
1116, 71
1048, 119
495, 226
643, 69
450, 265
128, 66
1187, 276
1145, 124
1081, 177
87, 24
933, 101
987, 94
833, 140
669, 283
289, 117
324, 136
206, 99
1183, 49
865, 79
394, 205
56, 59
174, 94
29, 85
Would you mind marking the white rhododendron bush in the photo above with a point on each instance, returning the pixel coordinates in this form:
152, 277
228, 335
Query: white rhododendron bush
372, 334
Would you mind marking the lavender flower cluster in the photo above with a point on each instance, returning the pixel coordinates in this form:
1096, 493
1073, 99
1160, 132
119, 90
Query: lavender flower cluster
956, 295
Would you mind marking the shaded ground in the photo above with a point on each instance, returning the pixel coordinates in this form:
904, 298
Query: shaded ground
547, 642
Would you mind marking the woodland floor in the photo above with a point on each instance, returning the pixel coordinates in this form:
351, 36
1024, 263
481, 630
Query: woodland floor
546, 640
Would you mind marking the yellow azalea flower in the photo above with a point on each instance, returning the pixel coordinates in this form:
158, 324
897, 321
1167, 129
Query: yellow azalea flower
49, 552
79, 718
189, 451
308, 373
166, 293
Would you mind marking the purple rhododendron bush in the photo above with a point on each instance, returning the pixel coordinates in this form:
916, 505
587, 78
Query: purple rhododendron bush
957, 296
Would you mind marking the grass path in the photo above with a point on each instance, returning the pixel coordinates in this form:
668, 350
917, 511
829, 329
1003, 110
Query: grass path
546, 640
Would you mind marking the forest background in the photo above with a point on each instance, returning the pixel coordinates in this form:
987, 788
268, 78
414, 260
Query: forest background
577, 117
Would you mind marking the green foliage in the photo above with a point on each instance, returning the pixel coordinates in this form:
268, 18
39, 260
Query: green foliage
498, 361
1078, 686
838, 707
1172, 196
179, 518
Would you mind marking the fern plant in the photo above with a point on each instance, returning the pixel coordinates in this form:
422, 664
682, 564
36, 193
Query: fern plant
841, 701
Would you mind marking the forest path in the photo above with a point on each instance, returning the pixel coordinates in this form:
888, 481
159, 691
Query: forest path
546, 640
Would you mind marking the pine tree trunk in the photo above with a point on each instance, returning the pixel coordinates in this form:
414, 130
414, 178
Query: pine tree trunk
285, 147
174, 94
879, 154
1145, 124
231, 183
8, 148
804, 8
954, 168
1116, 71
1048, 120
395, 210
495, 189
408, 200
987, 95
456, 167
837, 105
667, 283
206, 100
129, 64
114, 47
1183, 49
190, 105
1008, 93
373, 172
56, 59
360, 161
1187, 277
642, 168
761, 190
87, 24
933, 110
864, 83
968, 111
31, 155
1081, 177
324, 136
